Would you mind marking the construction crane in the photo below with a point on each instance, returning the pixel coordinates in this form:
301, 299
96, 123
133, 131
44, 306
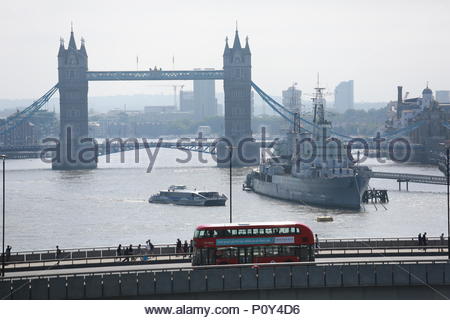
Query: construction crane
174, 86
406, 95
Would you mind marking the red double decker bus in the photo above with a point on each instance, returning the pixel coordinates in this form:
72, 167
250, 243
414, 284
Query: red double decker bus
252, 243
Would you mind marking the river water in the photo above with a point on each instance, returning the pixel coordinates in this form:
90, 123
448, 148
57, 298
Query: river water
108, 206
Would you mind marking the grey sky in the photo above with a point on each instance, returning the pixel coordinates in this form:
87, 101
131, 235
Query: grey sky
379, 44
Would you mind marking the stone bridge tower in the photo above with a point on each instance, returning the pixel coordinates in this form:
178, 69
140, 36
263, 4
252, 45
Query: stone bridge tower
237, 67
76, 150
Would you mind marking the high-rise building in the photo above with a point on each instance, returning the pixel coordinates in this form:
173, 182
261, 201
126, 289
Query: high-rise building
205, 102
292, 99
443, 96
343, 96
187, 101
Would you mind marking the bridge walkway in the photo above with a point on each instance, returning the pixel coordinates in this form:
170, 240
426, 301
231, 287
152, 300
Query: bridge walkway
406, 177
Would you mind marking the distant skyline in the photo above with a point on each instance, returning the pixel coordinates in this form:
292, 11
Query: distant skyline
378, 44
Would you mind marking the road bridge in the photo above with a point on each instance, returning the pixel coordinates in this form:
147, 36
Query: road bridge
145, 259
166, 254
382, 279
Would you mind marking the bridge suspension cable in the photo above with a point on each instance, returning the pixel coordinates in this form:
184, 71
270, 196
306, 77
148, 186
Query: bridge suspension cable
279, 108
282, 111
18, 118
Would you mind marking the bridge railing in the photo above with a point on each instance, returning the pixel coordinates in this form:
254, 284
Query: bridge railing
65, 261
105, 252
378, 242
409, 177
88, 252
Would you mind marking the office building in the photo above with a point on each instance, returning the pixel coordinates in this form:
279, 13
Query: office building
343, 96
205, 102
292, 98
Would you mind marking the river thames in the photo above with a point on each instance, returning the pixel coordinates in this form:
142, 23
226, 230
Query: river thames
108, 206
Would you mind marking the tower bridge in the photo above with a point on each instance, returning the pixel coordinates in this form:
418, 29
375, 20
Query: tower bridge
73, 85
73, 78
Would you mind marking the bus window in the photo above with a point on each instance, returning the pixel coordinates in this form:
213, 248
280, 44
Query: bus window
201, 234
304, 253
242, 232
261, 232
268, 231
276, 230
284, 230
275, 251
234, 232
263, 251
255, 232
221, 233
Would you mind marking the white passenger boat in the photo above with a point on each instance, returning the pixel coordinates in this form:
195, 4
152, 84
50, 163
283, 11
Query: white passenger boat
180, 195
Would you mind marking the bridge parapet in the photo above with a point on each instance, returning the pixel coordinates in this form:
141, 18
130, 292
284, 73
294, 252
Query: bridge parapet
269, 278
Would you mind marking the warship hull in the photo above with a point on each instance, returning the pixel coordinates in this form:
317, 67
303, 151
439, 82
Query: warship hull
339, 192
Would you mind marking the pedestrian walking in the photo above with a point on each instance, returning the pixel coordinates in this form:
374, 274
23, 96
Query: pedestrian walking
317, 241
191, 246
185, 246
150, 247
119, 250
130, 252
442, 242
178, 246
58, 254
424, 239
8, 253
126, 253
420, 239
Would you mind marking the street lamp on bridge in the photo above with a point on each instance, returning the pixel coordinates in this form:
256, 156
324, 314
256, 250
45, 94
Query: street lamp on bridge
448, 203
3, 221
230, 148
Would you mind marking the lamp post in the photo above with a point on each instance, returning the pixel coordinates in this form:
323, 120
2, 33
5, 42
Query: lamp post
448, 203
3, 223
231, 184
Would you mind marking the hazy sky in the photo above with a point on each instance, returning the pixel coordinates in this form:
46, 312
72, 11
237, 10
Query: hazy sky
379, 44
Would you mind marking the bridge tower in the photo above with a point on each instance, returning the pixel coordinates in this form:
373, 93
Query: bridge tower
237, 67
76, 150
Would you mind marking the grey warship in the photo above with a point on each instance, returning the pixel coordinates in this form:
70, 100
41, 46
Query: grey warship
311, 167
